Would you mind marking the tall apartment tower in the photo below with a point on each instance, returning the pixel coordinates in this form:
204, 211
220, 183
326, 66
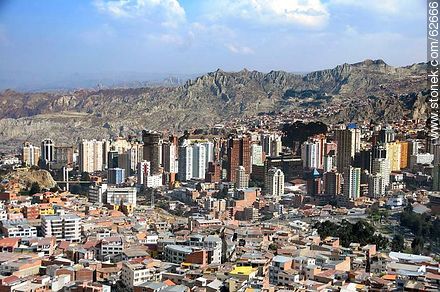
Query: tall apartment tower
170, 155
30, 154
348, 144
352, 182
310, 154
47, 152
90, 156
199, 161
394, 155
274, 183
238, 155
185, 162
332, 183
381, 166
241, 178
152, 149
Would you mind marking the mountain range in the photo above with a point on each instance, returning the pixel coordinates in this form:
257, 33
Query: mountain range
349, 92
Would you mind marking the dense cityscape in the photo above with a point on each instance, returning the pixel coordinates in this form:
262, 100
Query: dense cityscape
219, 146
265, 203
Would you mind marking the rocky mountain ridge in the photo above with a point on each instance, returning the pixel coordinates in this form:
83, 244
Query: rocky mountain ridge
364, 90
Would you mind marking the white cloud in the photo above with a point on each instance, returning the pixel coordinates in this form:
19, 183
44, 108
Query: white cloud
305, 13
237, 49
383, 6
168, 12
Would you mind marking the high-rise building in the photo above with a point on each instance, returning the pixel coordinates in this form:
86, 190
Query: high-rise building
379, 151
112, 159
105, 150
386, 135
274, 183
143, 171
90, 156
238, 154
321, 142
404, 157
436, 152
393, 155
30, 154
185, 162
214, 172
381, 166
152, 150
276, 147
209, 151
115, 176
332, 183
257, 154
352, 182
376, 186
170, 156
310, 154
330, 148
314, 183
364, 160
241, 178
199, 164
271, 144
124, 162
47, 152
63, 156
413, 148
328, 163
348, 141
436, 177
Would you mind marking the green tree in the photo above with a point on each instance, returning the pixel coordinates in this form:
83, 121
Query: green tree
398, 243
35, 188
417, 245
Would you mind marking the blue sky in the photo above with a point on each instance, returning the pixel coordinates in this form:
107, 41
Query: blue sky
47, 41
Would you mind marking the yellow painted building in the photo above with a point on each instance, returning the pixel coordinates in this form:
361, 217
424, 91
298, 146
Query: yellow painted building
393, 155
403, 154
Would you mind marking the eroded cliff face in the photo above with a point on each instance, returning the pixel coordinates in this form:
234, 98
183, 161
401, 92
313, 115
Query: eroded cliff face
365, 90
26, 177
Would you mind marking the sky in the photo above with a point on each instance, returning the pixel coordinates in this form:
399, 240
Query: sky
52, 42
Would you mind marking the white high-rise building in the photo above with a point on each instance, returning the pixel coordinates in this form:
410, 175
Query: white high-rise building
209, 151
376, 186
352, 182
47, 152
310, 154
90, 156
381, 166
30, 154
329, 163
241, 178
185, 162
199, 161
257, 154
274, 183
169, 159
